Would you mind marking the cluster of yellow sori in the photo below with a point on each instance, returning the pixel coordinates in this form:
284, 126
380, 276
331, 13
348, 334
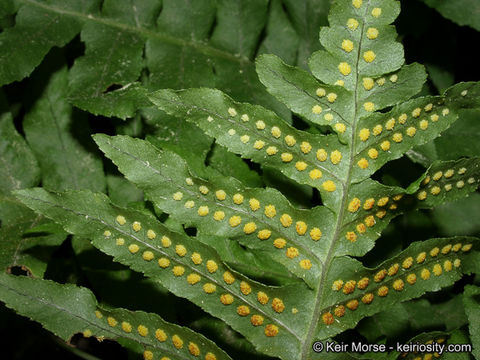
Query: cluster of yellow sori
159, 334
290, 144
325, 99
433, 184
396, 280
394, 134
212, 267
252, 227
382, 204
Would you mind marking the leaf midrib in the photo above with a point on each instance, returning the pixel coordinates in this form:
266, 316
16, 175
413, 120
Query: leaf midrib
201, 47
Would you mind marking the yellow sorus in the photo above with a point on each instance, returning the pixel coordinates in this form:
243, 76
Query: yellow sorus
372, 33
361, 228
449, 173
292, 252
278, 305
382, 291
329, 186
428, 107
340, 128
368, 83
357, 3
354, 205
133, 248
398, 285
369, 56
339, 311
219, 215
425, 274
196, 258
226, 299
422, 195
437, 176
352, 304
245, 118
272, 150
209, 288
457, 263
178, 270
364, 134
203, 211
221, 195
127, 327
352, 24
322, 155
260, 125
351, 236
112, 321
257, 320
369, 204
305, 147
160, 335
279, 243
238, 199
335, 157
301, 227
300, 165
147, 355
397, 137
177, 341
232, 111
457, 247
290, 140
286, 220
231, 132
347, 45
337, 285
376, 12
445, 112
212, 266
367, 298
107, 233
321, 92
263, 298
121, 219
421, 257
189, 181
98, 314
193, 349
349, 287
315, 174
276, 132
407, 263
163, 263
466, 247
305, 264
270, 211
370, 221
369, 106
193, 279
362, 163
209, 356
254, 204
383, 201
437, 270
447, 265
435, 190
264, 234
245, 288
136, 226
460, 184
373, 153
249, 228
243, 310
363, 283
142, 330
235, 221
379, 276
434, 117
377, 130
286, 157
331, 97
411, 131
434, 252
317, 109
228, 277
411, 279
189, 204
392, 270
203, 189
180, 250
394, 78
402, 119
390, 124
259, 144
271, 330
327, 318
148, 256
423, 125
380, 214
344, 68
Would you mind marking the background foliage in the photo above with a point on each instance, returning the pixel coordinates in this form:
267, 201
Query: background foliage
67, 69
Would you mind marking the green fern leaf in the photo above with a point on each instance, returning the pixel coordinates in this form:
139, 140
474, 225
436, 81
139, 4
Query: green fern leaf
67, 309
